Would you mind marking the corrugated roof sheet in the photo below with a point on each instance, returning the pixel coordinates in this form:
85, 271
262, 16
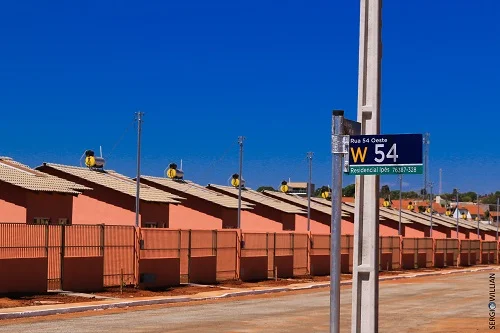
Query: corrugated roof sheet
255, 196
302, 202
23, 176
117, 182
199, 191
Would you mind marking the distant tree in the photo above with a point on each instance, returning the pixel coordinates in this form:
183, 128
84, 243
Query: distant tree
395, 194
265, 188
410, 195
423, 191
385, 191
349, 191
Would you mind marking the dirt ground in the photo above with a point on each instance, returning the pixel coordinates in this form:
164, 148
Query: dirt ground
12, 301
130, 292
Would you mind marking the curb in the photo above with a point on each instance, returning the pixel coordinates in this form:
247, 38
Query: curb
126, 304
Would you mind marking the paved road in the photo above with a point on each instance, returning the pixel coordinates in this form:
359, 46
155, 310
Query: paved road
452, 303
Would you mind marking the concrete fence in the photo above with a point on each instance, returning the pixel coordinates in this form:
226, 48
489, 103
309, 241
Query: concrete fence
37, 258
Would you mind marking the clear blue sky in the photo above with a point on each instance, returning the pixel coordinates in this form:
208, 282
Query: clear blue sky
204, 72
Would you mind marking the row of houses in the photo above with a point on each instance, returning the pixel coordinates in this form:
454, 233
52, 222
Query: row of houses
61, 194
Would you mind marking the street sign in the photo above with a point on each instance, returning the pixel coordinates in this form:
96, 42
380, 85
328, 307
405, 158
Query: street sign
351, 127
385, 154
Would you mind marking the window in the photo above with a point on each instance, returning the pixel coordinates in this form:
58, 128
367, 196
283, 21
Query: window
41, 220
63, 221
150, 225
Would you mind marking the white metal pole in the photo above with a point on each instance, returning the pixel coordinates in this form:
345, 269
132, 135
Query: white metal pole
138, 176
498, 203
458, 213
430, 203
365, 286
337, 167
309, 190
240, 142
400, 201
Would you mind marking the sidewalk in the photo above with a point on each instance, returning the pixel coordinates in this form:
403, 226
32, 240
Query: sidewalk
46, 310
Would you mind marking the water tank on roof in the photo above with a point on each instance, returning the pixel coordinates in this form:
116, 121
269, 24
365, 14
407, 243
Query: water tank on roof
235, 181
93, 161
173, 172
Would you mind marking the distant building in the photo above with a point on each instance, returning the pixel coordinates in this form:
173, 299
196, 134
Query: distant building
299, 188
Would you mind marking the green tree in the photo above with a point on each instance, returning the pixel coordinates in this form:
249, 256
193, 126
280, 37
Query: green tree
349, 190
265, 188
385, 191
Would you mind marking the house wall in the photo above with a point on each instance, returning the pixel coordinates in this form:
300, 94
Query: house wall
182, 217
49, 205
12, 203
389, 228
90, 210
255, 222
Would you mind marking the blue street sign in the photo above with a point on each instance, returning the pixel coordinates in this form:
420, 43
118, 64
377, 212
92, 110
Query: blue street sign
385, 154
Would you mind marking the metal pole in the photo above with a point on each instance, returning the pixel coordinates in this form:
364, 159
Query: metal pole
458, 213
365, 284
400, 201
337, 168
138, 176
240, 142
477, 196
430, 203
498, 202
309, 190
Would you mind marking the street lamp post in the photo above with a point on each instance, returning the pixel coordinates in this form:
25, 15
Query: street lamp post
430, 204
458, 213
477, 197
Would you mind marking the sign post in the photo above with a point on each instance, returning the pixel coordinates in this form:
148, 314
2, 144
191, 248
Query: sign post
340, 146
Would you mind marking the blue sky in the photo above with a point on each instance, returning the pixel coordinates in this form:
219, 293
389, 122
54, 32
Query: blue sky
74, 73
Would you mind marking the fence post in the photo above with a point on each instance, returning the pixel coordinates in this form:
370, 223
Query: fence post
214, 249
293, 252
63, 252
189, 257
102, 240
275, 268
180, 244
237, 258
47, 241
416, 253
308, 270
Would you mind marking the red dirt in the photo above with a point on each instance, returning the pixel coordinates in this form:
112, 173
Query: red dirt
30, 300
129, 292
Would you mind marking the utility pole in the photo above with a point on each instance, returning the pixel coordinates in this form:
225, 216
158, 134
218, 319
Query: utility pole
400, 201
365, 286
240, 143
431, 185
478, 234
309, 190
138, 176
338, 150
440, 182
458, 213
426, 161
498, 203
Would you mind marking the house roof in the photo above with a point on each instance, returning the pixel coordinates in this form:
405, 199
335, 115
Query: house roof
297, 184
300, 201
263, 199
199, 191
472, 209
117, 182
23, 176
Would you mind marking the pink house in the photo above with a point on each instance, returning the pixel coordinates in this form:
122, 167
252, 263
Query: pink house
268, 214
33, 197
112, 198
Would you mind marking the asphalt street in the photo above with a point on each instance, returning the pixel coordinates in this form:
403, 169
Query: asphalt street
450, 303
